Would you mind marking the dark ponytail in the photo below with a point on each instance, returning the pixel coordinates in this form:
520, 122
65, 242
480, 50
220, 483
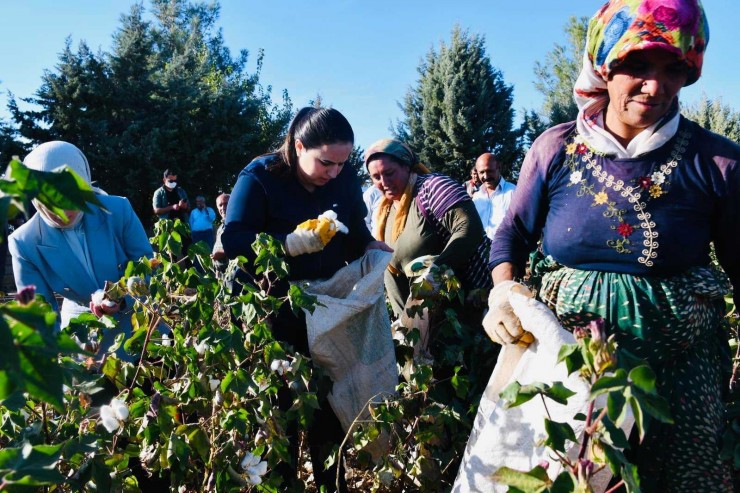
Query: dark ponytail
314, 127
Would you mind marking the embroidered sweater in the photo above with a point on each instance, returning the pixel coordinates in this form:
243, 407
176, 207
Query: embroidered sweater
651, 215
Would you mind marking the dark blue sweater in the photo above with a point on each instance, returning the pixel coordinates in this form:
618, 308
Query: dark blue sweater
267, 202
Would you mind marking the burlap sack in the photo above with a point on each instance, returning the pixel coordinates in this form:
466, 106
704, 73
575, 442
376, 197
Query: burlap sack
350, 337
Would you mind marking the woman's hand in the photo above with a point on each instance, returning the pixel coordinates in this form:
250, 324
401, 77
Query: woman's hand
378, 245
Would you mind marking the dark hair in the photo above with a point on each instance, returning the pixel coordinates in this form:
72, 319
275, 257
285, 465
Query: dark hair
314, 127
169, 172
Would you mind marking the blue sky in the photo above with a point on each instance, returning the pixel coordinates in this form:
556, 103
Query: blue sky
361, 56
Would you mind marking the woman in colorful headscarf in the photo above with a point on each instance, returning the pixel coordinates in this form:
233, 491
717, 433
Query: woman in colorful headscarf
627, 200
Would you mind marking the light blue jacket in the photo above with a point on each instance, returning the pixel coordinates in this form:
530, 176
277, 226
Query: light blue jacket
42, 257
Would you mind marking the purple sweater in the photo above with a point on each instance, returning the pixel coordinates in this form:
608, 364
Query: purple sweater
651, 215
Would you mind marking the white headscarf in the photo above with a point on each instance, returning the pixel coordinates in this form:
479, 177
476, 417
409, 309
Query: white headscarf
50, 156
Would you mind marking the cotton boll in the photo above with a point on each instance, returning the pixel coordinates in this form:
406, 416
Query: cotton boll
98, 297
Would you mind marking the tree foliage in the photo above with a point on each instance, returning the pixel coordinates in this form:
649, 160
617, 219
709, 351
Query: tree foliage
168, 95
716, 116
459, 108
556, 76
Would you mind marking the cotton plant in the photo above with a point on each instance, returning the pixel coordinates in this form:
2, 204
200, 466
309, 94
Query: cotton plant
281, 366
254, 468
114, 415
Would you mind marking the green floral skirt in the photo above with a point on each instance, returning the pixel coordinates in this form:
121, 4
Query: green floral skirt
675, 324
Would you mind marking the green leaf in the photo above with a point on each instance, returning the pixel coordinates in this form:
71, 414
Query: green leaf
300, 300
557, 434
523, 481
643, 378
558, 392
616, 407
654, 405
59, 190
31, 465
564, 483
609, 383
637, 413
631, 478
570, 354
199, 441
460, 383
614, 458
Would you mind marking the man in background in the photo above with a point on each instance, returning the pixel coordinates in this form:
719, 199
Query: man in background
494, 195
170, 200
220, 260
201, 222
371, 196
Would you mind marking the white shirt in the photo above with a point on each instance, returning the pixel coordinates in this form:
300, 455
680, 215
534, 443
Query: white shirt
492, 207
372, 197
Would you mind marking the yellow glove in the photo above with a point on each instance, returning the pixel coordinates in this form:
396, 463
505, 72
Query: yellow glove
313, 235
326, 226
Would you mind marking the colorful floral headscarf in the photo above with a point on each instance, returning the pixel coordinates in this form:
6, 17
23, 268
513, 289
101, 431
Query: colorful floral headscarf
619, 28
623, 26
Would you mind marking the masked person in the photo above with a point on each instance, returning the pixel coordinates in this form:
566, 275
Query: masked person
279, 194
170, 201
73, 258
628, 199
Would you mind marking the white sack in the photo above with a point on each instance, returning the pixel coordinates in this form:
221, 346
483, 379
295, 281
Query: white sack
508, 437
350, 337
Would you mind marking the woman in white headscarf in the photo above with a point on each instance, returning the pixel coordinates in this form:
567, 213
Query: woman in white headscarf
74, 257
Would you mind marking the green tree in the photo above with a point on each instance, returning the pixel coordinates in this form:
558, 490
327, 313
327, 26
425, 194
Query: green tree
716, 116
459, 108
357, 161
168, 95
556, 76
9, 145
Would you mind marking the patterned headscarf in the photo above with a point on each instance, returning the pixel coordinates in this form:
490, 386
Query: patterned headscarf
406, 157
623, 26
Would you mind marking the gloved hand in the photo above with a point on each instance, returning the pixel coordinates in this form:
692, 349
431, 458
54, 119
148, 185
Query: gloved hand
424, 275
313, 235
501, 323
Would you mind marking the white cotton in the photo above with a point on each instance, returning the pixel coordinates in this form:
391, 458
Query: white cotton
108, 419
253, 467
330, 214
166, 341
98, 297
214, 383
280, 366
120, 408
201, 347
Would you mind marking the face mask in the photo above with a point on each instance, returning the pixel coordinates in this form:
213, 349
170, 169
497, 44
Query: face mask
171, 184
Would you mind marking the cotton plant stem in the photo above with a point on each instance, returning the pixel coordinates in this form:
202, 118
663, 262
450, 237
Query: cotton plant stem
586, 435
349, 432
616, 487
152, 324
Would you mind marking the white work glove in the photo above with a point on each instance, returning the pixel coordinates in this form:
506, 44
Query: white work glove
539, 319
303, 241
313, 235
501, 323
